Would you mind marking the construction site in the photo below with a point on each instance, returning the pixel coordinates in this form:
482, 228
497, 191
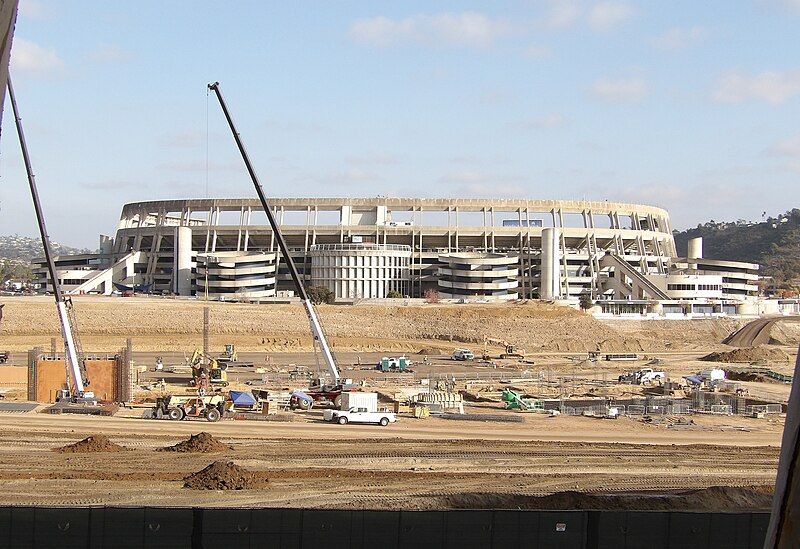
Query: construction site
172, 402
181, 418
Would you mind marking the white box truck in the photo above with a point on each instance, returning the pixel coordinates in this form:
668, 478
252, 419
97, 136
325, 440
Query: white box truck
359, 399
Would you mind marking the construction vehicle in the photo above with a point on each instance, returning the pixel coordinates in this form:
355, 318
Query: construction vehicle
231, 358
178, 407
77, 381
207, 371
463, 354
323, 390
645, 376
515, 401
510, 350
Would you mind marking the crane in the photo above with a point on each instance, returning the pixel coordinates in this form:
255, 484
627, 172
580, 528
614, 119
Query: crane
75, 367
316, 329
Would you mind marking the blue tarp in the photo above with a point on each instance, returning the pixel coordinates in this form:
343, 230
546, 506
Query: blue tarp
241, 398
302, 396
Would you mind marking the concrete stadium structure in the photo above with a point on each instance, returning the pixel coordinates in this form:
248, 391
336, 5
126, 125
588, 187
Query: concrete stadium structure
367, 247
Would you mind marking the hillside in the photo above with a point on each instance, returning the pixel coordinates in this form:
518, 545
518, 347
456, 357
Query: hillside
773, 243
26, 248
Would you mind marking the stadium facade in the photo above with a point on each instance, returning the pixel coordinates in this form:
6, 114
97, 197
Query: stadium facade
373, 247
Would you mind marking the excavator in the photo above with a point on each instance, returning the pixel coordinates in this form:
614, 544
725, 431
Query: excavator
324, 390
207, 374
77, 381
511, 350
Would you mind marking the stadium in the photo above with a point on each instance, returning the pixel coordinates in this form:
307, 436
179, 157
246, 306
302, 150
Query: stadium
622, 255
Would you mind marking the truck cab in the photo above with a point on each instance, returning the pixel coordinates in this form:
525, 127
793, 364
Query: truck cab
362, 415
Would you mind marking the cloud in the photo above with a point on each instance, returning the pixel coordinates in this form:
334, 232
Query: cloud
110, 53
537, 52
29, 57
34, 10
774, 87
562, 14
789, 5
550, 121
607, 15
470, 29
788, 147
620, 90
679, 38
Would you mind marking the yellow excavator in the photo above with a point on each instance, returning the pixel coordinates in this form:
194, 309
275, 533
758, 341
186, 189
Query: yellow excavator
207, 371
511, 350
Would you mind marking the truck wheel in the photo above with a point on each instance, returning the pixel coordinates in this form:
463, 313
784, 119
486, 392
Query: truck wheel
338, 401
177, 414
342, 420
212, 414
302, 404
384, 421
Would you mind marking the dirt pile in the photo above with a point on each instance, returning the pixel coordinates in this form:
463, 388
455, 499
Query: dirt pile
91, 444
748, 355
203, 443
222, 475
734, 375
715, 498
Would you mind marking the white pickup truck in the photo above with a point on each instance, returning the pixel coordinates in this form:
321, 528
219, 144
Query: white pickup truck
362, 415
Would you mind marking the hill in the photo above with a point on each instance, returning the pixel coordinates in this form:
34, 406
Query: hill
773, 243
26, 248
17, 251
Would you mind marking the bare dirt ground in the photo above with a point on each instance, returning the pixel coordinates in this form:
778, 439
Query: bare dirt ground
415, 464
156, 324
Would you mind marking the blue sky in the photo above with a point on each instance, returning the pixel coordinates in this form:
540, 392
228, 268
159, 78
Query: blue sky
693, 106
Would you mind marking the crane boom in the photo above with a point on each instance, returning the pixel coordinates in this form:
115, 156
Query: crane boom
70, 348
316, 328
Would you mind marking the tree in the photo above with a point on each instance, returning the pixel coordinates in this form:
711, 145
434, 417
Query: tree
431, 296
391, 294
585, 302
320, 294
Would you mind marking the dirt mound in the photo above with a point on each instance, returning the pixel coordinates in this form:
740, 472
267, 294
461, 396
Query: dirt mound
431, 351
733, 375
199, 443
748, 355
222, 475
715, 498
91, 444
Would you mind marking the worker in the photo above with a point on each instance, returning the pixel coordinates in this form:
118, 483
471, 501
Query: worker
159, 364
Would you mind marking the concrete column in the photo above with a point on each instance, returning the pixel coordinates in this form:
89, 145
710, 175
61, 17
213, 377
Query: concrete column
550, 279
182, 273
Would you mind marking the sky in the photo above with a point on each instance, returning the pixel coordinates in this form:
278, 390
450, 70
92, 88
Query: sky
691, 106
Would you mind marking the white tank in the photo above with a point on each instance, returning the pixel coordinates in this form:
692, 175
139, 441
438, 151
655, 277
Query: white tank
695, 248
